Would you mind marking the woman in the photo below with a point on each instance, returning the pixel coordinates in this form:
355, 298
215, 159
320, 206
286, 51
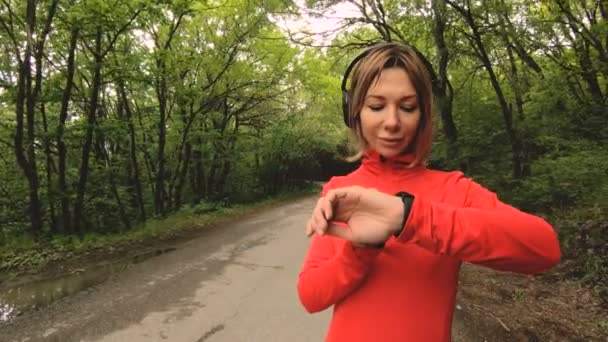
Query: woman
390, 265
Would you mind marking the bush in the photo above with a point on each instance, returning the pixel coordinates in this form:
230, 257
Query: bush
558, 183
584, 237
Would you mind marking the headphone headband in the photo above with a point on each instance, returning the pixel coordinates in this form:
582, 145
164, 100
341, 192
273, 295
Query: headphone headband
347, 101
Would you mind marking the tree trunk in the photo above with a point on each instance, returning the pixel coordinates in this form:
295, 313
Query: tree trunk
194, 176
211, 177
197, 177
121, 208
61, 148
214, 186
227, 167
587, 34
183, 171
161, 92
519, 105
443, 88
162, 95
49, 171
506, 110
92, 125
26, 155
184, 154
588, 71
146, 141
103, 153
136, 182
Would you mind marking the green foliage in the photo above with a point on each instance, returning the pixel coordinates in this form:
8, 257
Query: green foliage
561, 182
246, 113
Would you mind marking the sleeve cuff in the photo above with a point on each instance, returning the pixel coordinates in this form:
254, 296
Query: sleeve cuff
359, 257
409, 229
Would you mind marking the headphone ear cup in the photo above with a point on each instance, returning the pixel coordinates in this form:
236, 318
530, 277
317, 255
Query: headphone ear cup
346, 107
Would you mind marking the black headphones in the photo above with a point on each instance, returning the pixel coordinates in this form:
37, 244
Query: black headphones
347, 101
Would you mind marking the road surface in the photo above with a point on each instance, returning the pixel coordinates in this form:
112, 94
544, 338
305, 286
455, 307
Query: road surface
232, 283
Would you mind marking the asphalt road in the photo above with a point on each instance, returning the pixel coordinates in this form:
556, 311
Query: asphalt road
233, 283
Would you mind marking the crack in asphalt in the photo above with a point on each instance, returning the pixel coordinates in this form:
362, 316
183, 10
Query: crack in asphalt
215, 329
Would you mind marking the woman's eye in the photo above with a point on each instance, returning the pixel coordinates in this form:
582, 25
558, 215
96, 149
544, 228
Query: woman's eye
377, 108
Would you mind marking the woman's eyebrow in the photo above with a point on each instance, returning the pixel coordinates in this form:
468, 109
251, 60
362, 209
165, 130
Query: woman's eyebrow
406, 97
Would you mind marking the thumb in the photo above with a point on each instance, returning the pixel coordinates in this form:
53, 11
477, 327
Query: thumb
340, 231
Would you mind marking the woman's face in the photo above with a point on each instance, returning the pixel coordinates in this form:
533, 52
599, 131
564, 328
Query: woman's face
390, 113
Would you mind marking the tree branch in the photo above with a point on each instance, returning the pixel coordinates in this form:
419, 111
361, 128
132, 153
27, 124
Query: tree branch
120, 31
10, 32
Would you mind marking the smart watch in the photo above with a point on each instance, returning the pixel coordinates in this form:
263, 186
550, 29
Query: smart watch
408, 200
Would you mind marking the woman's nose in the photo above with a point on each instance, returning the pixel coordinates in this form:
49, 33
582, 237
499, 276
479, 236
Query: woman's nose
391, 118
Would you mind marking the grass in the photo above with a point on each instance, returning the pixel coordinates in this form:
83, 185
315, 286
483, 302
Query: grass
22, 254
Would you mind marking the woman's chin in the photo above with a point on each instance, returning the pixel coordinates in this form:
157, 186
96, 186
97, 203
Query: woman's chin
389, 152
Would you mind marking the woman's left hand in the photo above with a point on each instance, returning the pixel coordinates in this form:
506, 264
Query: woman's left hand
372, 216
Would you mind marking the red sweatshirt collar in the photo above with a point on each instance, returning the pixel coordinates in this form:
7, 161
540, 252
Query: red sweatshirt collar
373, 161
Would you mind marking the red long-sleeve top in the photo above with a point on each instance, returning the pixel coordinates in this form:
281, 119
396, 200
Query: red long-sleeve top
407, 290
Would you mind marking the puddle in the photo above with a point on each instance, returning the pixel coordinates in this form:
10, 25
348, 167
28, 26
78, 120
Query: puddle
17, 300
6, 312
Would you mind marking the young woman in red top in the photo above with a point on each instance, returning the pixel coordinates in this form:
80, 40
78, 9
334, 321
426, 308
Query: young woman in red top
388, 239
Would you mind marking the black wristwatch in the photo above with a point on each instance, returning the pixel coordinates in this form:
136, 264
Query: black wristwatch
408, 200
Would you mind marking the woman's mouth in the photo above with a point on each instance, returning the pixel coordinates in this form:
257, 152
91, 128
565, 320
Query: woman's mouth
390, 141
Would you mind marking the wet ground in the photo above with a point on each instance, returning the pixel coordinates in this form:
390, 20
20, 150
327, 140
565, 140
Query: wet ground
234, 282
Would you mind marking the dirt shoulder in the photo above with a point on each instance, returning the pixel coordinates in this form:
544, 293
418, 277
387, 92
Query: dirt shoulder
511, 307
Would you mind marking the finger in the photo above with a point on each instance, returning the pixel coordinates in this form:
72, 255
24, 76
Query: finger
319, 224
335, 195
319, 210
339, 231
309, 229
319, 218
335, 201
311, 225
328, 211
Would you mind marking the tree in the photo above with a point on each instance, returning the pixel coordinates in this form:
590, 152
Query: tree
28, 91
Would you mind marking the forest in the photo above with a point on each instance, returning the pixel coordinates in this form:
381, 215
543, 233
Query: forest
114, 113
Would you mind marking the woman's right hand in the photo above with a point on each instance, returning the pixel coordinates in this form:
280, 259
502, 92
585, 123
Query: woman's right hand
371, 216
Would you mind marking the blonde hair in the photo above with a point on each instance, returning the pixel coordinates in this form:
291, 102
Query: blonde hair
367, 71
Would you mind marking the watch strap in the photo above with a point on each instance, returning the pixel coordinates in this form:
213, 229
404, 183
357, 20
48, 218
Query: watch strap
408, 200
